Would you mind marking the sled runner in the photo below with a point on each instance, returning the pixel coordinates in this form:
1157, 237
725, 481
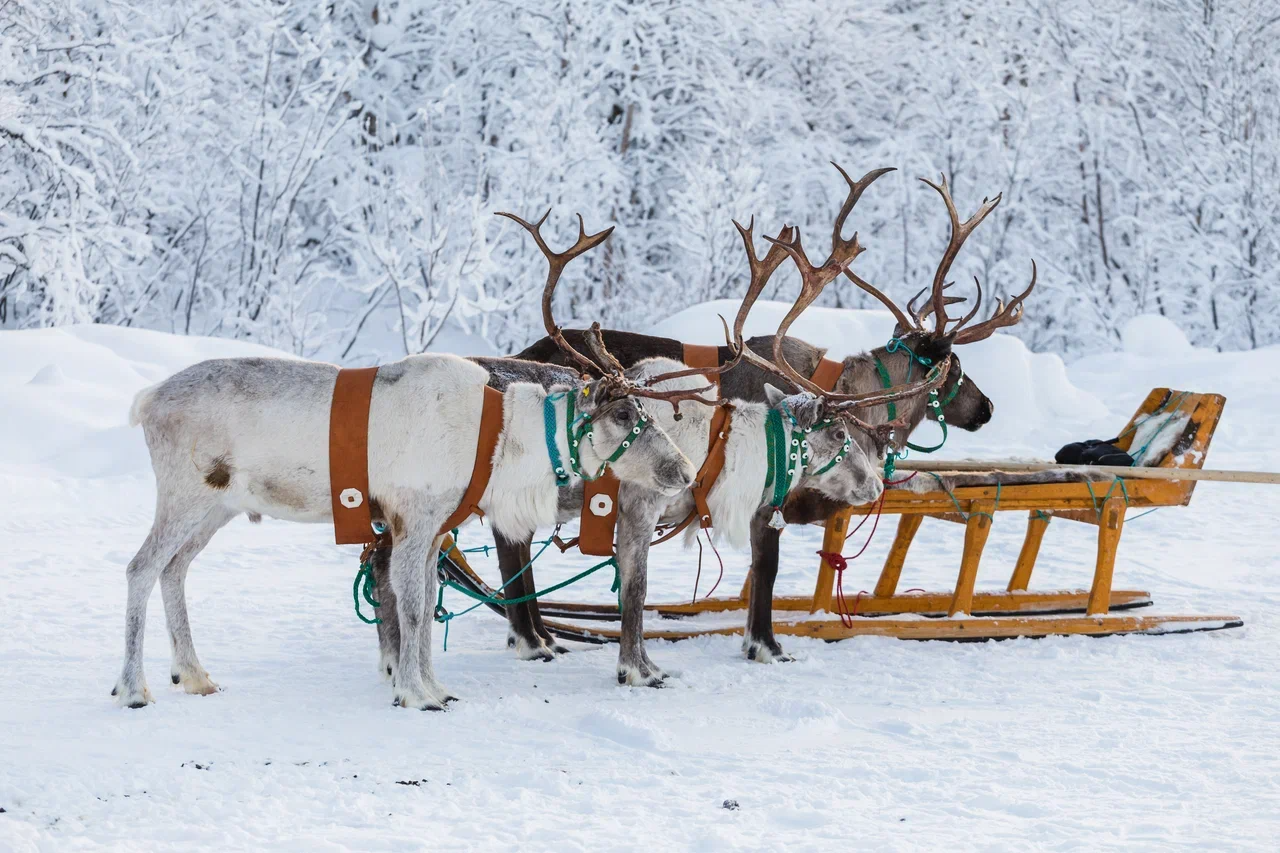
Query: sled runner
1171, 430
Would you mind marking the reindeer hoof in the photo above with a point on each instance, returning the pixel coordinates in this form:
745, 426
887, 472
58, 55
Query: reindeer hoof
764, 651
418, 703
132, 698
640, 676
535, 650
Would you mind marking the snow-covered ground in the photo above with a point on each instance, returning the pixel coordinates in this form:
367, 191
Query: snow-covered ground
1123, 742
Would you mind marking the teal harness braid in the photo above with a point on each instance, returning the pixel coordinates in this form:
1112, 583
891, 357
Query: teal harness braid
936, 405
575, 431
788, 459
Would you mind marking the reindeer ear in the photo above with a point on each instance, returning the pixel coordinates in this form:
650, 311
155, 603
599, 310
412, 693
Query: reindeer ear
773, 396
588, 396
807, 409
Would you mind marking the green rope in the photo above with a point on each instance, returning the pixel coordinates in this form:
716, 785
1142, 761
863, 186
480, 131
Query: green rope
443, 615
1141, 515
1142, 450
967, 515
365, 575
1097, 507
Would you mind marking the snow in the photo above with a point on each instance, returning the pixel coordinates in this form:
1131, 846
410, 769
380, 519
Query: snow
1154, 336
1121, 742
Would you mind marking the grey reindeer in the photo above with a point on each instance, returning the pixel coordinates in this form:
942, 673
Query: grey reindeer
819, 427
917, 344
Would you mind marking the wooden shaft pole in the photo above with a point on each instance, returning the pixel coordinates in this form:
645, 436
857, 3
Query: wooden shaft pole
995, 466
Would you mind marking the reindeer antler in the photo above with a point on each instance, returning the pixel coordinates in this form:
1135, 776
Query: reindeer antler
1002, 317
913, 320
556, 262
960, 232
761, 270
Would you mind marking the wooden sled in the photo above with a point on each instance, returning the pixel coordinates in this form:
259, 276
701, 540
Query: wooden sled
963, 613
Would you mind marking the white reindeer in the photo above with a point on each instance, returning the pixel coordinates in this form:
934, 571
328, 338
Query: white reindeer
251, 435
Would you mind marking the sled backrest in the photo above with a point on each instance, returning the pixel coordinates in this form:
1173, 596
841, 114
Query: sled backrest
1173, 429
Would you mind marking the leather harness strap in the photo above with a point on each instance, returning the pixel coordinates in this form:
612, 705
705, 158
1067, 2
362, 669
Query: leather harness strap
349, 455
827, 374
599, 515
703, 355
713, 464
482, 469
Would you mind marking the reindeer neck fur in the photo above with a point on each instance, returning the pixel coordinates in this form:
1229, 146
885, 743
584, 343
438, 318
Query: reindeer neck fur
861, 377
522, 494
739, 491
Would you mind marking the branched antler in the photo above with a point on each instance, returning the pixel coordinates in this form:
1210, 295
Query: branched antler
913, 319
1003, 317
556, 262
960, 232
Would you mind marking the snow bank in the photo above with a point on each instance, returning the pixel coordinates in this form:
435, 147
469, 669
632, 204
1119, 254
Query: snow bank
1037, 408
1155, 336
66, 393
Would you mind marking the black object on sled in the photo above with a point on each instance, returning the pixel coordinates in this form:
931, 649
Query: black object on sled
1095, 451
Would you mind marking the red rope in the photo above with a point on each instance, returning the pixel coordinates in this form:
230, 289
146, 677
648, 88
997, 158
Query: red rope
839, 562
697, 579
715, 551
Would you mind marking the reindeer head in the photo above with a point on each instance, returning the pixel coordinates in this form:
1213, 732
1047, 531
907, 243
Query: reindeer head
838, 466
607, 424
963, 403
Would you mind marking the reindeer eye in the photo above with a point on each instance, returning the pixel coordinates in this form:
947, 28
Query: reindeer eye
623, 415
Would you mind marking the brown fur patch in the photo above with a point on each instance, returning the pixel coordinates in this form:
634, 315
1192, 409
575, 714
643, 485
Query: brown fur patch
219, 474
397, 525
254, 517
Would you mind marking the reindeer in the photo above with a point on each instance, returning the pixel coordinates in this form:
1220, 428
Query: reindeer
251, 435
818, 426
961, 404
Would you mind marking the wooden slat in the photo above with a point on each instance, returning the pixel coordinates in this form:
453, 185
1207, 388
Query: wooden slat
921, 603
1037, 524
1110, 526
976, 529
1002, 627
892, 571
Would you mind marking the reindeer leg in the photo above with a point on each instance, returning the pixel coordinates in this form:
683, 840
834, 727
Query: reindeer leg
389, 626
185, 668
415, 591
549, 641
521, 633
169, 532
758, 642
639, 512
